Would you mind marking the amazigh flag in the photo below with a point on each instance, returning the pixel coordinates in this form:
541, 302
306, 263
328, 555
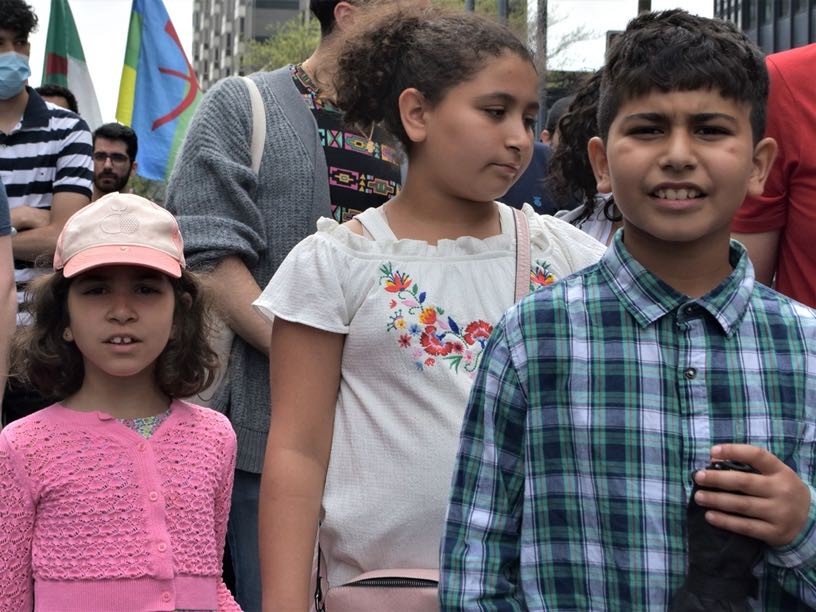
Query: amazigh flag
65, 62
159, 92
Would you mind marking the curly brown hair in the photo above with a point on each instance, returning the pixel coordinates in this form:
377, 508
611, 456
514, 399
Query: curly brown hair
570, 176
17, 16
42, 359
429, 49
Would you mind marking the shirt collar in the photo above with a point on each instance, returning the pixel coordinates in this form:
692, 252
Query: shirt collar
647, 298
36, 112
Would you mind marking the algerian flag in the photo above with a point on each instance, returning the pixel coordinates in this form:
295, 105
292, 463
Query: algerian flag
65, 62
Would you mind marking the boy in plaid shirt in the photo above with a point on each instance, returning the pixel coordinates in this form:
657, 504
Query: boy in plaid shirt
600, 396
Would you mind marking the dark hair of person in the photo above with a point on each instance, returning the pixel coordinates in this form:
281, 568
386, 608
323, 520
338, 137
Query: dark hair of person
18, 17
43, 359
117, 131
675, 51
323, 10
570, 176
430, 49
51, 89
556, 111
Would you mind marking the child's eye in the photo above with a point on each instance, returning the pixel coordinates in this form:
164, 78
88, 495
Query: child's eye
712, 130
645, 130
496, 113
94, 290
146, 290
530, 123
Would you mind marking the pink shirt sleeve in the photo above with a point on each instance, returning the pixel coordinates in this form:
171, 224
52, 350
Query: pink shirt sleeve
226, 602
16, 532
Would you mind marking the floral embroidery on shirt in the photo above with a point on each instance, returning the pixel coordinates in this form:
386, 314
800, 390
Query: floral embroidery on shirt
540, 275
432, 336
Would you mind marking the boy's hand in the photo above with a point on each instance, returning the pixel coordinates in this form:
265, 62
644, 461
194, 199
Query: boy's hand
774, 503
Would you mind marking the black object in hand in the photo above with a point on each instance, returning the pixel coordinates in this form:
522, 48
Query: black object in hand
720, 573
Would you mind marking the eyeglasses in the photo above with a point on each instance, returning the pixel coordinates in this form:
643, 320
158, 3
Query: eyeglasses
116, 158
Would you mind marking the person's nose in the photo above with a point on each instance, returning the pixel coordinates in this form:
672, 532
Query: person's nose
121, 308
679, 152
108, 164
519, 136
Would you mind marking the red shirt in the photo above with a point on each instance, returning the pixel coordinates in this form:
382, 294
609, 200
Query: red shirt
789, 201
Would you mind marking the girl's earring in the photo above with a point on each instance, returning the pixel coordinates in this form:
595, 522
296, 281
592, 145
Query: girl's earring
67, 335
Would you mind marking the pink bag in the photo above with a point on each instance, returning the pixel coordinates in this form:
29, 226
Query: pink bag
393, 590
390, 590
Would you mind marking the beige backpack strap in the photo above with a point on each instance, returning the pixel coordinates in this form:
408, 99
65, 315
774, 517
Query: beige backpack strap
258, 123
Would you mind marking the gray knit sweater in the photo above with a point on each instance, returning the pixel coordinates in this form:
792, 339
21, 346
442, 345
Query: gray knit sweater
224, 209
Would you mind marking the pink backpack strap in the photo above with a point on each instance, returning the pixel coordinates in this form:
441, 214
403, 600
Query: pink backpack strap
522, 254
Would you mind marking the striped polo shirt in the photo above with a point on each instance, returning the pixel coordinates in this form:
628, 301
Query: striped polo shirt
48, 151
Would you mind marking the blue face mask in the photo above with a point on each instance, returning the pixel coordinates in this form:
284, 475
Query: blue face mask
14, 71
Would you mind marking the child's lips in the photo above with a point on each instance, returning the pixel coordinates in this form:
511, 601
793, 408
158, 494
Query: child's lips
677, 191
507, 168
122, 340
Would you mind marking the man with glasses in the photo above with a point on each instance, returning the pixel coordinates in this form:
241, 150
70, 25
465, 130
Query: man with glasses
114, 156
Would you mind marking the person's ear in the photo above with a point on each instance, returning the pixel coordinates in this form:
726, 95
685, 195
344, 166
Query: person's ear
544, 136
413, 109
600, 164
764, 156
344, 14
133, 167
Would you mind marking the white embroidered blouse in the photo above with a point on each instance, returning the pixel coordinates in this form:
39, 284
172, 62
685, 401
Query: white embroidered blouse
416, 318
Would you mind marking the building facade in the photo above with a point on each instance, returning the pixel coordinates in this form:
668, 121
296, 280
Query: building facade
222, 27
775, 25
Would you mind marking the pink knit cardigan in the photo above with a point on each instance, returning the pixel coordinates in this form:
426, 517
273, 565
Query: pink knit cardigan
94, 517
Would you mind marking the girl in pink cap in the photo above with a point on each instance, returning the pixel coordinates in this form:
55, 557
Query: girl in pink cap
116, 497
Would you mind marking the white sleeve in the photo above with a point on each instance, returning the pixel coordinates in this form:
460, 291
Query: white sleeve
576, 248
309, 287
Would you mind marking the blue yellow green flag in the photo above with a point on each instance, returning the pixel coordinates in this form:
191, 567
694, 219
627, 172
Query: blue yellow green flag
159, 91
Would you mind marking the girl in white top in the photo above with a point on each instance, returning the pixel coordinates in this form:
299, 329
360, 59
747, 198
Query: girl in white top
380, 323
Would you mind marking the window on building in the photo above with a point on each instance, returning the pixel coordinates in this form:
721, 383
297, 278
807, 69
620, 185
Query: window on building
782, 8
750, 12
765, 12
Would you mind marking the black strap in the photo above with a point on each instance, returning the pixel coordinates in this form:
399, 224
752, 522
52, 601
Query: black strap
320, 605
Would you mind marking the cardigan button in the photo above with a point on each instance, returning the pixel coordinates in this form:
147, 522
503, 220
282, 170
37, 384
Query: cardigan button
162, 547
165, 596
153, 496
140, 446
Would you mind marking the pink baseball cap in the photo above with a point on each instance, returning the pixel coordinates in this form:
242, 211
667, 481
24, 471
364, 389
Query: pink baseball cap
120, 229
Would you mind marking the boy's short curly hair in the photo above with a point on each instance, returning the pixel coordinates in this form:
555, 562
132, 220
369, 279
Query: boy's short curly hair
42, 359
676, 51
17, 16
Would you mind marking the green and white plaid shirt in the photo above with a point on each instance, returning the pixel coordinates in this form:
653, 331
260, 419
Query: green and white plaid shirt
596, 400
